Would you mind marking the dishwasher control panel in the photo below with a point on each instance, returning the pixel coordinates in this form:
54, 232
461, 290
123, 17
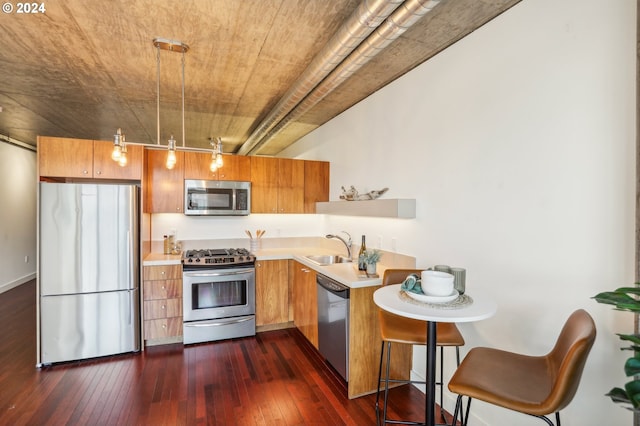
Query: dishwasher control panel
333, 286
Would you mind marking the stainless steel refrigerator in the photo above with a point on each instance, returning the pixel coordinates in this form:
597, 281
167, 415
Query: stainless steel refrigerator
88, 271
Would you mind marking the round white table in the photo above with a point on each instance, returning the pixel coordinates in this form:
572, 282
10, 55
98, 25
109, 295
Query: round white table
389, 299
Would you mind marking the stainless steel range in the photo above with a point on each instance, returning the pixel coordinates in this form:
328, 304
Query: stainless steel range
219, 294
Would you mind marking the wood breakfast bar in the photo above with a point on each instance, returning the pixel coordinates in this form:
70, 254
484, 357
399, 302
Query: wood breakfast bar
475, 307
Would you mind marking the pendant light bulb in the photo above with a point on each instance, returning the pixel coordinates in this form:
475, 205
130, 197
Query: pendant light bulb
219, 161
116, 153
122, 161
171, 155
214, 166
117, 145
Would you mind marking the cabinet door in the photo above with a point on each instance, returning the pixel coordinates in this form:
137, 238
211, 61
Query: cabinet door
290, 186
305, 302
63, 157
272, 298
236, 167
316, 184
165, 188
264, 185
105, 168
197, 166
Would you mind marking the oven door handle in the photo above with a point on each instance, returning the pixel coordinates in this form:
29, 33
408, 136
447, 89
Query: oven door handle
216, 274
217, 323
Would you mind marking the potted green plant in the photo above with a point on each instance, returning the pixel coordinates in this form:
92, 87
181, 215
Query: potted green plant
371, 257
626, 299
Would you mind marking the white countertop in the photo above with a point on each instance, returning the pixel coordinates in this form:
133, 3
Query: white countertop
157, 259
344, 273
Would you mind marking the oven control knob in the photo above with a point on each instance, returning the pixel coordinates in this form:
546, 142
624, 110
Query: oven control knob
198, 260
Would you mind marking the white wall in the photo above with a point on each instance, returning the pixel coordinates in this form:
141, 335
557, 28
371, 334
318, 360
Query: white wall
17, 216
518, 143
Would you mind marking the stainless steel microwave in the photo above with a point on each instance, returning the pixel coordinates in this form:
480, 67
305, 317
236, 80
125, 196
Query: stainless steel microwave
217, 198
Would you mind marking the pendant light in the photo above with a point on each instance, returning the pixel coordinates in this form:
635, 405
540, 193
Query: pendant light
117, 145
216, 154
119, 153
171, 154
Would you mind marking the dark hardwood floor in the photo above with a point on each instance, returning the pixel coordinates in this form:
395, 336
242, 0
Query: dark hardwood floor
276, 378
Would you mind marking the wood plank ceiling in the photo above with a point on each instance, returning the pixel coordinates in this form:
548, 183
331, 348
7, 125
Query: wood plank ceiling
84, 68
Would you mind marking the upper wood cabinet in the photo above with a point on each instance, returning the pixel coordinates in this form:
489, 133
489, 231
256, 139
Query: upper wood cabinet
164, 187
277, 185
316, 184
86, 158
105, 168
235, 167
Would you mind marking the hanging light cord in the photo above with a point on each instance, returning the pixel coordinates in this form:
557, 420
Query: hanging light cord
158, 94
183, 135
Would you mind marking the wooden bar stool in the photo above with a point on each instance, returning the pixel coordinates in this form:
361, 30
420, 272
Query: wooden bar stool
533, 385
397, 329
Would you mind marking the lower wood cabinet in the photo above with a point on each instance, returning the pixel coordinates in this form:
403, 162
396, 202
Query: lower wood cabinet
305, 302
272, 292
162, 301
365, 343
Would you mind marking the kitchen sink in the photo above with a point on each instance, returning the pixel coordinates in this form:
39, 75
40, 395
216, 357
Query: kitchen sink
328, 259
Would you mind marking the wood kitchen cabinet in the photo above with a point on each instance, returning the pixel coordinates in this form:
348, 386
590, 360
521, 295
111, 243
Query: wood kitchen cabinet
305, 302
162, 302
86, 158
272, 292
105, 168
365, 343
277, 185
316, 184
235, 167
165, 187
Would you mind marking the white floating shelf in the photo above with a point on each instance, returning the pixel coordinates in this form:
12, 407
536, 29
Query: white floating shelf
400, 208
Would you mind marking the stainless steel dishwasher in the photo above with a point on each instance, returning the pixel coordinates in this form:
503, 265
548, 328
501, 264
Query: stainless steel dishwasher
333, 323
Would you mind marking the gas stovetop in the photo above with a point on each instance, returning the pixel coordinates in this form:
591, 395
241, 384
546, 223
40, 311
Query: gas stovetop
211, 257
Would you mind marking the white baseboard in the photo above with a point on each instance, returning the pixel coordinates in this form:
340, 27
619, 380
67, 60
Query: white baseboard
13, 284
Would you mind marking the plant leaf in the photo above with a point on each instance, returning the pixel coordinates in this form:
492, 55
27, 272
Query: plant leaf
634, 338
620, 299
633, 392
619, 395
632, 367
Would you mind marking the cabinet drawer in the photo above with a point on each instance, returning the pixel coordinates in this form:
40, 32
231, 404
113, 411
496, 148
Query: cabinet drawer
163, 308
162, 272
161, 328
162, 289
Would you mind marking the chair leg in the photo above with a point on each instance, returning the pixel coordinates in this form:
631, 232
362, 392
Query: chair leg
379, 381
386, 385
441, 383
457, 410
466, 418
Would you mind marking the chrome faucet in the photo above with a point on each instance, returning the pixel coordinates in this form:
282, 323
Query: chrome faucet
346, 243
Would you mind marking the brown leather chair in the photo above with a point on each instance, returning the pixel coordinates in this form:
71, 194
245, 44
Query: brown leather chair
397, 329
534, 385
